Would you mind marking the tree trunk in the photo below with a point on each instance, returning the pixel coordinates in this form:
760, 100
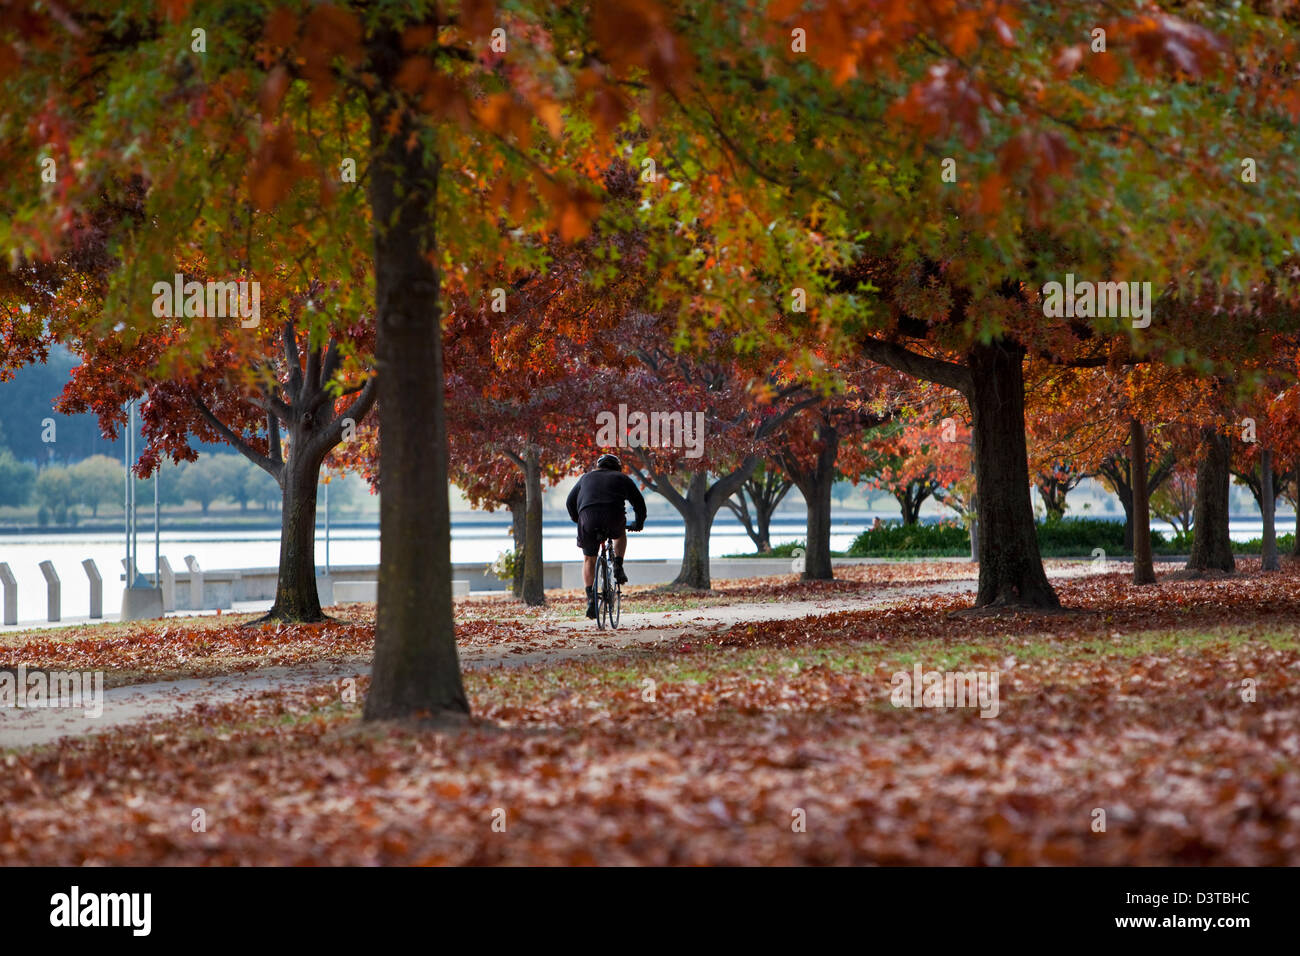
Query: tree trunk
1126, 502
296, 594
1053, 502
698, 507
416, 668
815, 484
1211, 544
910, 505
817, 561
1144, 571
533, 592
766, 493
1268, 509
1295, 546
764, 506
517, 504
1011, 569
699, 524
1112, 468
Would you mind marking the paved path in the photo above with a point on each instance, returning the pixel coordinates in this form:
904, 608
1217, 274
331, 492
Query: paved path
137, 702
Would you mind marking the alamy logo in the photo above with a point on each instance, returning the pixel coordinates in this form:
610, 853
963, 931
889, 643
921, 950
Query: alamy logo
74, 689
651, 430
103, 909
221, 300
1085, 300
946, 689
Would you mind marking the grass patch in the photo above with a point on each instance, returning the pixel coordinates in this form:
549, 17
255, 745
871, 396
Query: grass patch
713, 663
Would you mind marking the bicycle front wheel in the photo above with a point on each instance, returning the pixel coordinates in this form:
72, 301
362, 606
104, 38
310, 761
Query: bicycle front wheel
600, 590
614, 606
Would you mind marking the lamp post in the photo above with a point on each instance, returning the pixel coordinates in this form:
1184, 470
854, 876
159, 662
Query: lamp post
136, 579
139, 600
327, 526
157, 537
128, 489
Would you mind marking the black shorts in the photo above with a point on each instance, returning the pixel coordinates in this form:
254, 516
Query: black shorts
592, 521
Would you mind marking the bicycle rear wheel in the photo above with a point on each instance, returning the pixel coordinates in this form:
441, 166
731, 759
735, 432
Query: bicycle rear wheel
611, 593
607, 611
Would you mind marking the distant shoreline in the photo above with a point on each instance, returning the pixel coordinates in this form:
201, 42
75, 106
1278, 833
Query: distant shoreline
191, 525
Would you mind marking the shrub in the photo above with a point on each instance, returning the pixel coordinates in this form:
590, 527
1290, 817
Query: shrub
1285, 545
504, 565
784, 550
1066, 537
1079, 536
945, 539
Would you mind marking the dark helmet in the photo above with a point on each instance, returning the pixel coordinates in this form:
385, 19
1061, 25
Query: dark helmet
609, 461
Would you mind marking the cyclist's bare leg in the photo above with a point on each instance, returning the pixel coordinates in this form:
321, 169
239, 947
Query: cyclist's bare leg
588, 570
620, 548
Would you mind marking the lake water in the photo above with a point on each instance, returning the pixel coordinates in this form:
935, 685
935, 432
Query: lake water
473, 541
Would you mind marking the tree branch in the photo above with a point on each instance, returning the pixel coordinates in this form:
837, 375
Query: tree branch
356, 412
236, 441
291, 359
726, 486
656, 482
918, 366
273, 438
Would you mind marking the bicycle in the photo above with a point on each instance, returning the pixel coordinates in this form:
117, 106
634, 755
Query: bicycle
606, 589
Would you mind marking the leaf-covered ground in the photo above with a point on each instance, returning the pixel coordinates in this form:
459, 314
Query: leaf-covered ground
713, 749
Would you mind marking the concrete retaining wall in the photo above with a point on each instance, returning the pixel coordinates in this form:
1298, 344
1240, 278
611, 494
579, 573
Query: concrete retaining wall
258, 584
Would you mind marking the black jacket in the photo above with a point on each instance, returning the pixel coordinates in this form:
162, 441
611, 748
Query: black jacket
605, 487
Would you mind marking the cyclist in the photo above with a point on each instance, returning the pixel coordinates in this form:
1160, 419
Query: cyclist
596, 506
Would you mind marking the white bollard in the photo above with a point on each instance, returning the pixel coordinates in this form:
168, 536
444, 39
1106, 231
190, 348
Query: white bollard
196, 583
10, 596
96, 588
167, 579
52, 589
